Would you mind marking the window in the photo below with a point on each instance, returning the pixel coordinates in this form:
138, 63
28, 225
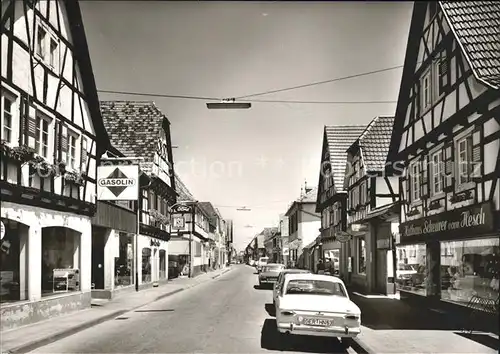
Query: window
415, 181
437, 172
71, 155
124, 263
361, 250
426, 90
411, 271
462, 261
8, 109
442, 74
40, 42
47, 47
42, 136
465, 166
362, 194
54, 53
316, 287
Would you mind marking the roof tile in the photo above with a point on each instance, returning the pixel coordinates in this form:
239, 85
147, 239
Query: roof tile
477, 27
133, 126
339, 138
375, 141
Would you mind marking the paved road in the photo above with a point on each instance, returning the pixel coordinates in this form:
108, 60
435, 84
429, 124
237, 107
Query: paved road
227, 315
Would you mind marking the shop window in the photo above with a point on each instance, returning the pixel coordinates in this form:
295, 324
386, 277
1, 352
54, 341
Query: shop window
146, 265
469, 268
60, 260
411, 271
361, 252
163, 264
13, 262
124, 263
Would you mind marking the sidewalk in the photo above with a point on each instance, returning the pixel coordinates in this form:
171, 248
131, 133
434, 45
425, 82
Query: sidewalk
392, 326
27, 338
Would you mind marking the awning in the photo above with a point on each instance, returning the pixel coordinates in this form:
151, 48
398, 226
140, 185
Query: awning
385, 212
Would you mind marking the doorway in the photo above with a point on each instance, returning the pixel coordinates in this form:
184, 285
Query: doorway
381, 272
98, 242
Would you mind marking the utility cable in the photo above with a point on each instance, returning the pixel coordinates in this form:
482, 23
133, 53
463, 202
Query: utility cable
320, 82
245, 98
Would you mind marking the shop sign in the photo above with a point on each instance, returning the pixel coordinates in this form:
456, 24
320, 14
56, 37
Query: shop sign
342, 236
180, 209
472, 219
118, 182
178, 222
155, 243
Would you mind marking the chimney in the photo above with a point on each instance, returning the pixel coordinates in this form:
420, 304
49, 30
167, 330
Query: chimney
307, 189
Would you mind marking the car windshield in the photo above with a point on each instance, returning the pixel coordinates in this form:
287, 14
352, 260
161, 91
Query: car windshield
273, 268
317, 287
405, 267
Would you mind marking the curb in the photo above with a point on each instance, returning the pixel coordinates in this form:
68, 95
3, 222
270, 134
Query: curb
28, 347
221, 273
361, 347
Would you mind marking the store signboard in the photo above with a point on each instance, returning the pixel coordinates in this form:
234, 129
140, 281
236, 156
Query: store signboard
475, 219
120, 182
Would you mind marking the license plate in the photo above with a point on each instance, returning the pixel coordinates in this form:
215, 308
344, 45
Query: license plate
320, 322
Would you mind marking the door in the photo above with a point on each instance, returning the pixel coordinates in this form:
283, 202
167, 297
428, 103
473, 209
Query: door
98, 240
381, 272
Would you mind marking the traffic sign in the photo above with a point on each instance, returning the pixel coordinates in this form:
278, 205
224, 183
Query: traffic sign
118, 182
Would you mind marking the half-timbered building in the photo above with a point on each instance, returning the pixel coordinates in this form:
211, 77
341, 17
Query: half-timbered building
331, 197
140, 129
372, 213
52, 137
447, 133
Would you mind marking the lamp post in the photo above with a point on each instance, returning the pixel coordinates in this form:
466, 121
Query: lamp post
191, 211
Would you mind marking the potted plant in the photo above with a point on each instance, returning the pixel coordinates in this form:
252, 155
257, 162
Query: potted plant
75, 178
41, 165
22, 153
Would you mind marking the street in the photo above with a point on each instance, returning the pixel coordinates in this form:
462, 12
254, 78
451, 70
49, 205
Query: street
227, 315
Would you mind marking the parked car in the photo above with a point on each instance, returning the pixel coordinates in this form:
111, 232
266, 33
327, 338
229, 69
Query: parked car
270, 272
316, 305
281, 279
261, 262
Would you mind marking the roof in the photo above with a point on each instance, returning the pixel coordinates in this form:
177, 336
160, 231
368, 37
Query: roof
338, 139
209, 210
476, 26
133, 126
374, 143
309, 197
81, 53
182, 190
295, 271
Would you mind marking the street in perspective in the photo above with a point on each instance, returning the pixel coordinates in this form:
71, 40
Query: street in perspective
250, 177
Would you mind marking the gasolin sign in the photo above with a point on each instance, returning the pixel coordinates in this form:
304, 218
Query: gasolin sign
117, 182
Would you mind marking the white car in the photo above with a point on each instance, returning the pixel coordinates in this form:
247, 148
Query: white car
281, 279
317, 305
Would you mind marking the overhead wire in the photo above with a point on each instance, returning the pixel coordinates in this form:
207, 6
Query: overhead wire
320, 82
245, 98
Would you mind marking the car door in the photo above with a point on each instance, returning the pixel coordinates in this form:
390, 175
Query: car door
277, 286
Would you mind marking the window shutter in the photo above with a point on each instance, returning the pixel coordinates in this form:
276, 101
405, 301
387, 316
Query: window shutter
476, 153
83, 155
408, 186
448, 165
425, 177
23, 139
64, 142
57, 141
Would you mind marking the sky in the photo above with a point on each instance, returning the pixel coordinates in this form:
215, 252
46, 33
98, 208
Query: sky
260, 157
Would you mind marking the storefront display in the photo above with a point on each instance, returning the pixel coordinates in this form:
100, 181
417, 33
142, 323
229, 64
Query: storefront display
146, 265
13, 284
124, 263
361, 250
60, 260
470, 268
411, 272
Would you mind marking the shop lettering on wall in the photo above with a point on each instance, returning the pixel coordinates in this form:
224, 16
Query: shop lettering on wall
476, 217
155, 243
161, 148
